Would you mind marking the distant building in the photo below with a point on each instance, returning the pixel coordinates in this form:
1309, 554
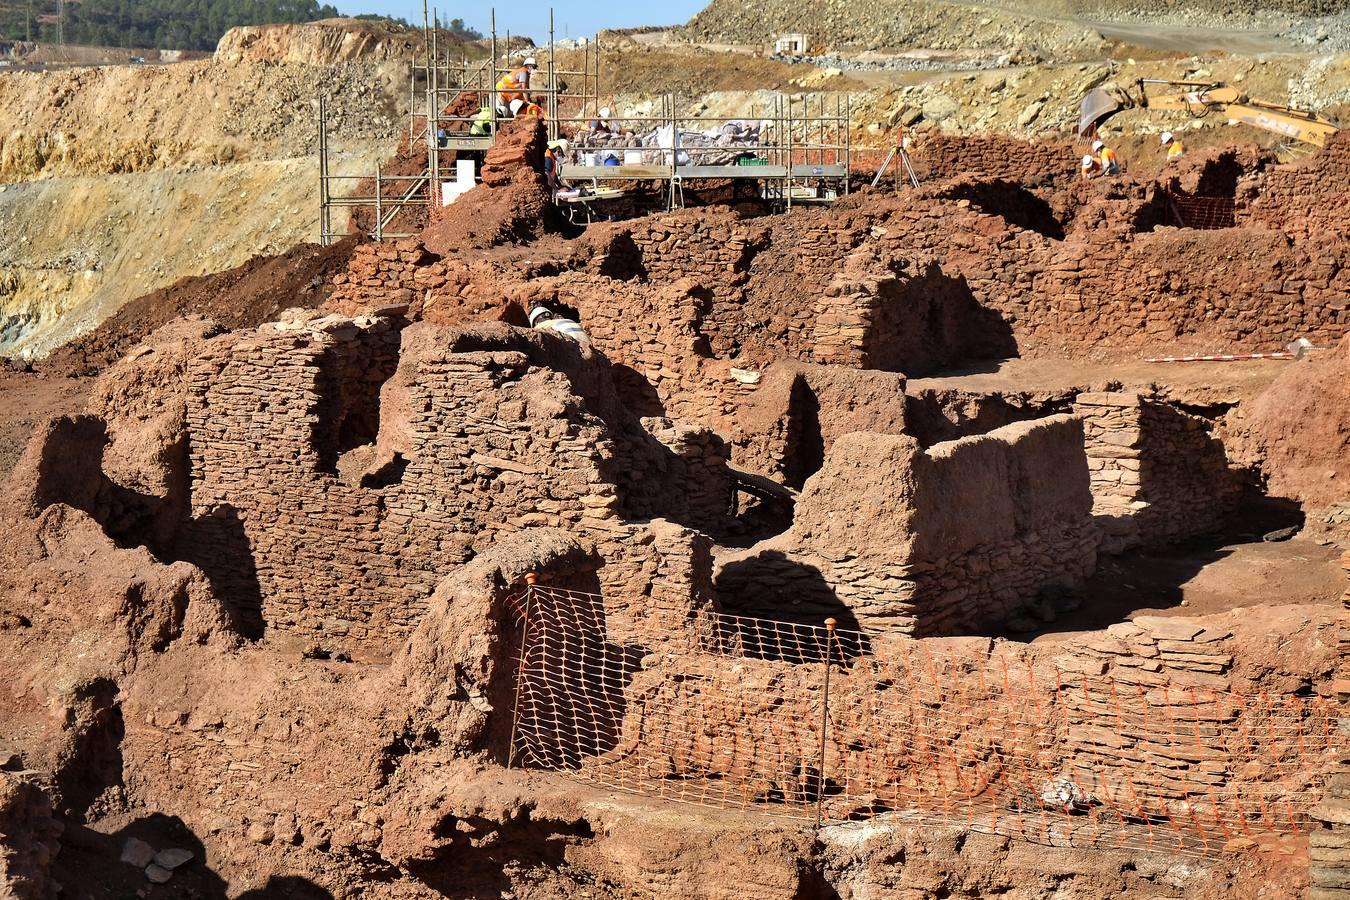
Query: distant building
791, 44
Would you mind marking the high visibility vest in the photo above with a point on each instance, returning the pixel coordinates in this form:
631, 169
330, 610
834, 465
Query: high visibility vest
1108, 158
482, 122
531, 109
514, 82
1175, 150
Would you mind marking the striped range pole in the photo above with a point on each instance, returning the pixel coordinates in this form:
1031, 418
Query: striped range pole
1222, 357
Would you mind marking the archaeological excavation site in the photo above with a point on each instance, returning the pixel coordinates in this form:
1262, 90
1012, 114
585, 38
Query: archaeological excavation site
800, 459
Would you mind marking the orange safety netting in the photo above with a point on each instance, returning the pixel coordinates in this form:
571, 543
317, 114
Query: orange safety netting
734, 712
1191, 211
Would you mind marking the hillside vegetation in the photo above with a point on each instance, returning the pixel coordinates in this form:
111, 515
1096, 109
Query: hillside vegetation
178, 24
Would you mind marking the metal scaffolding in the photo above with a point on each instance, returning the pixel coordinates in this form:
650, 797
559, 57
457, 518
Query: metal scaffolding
802, 155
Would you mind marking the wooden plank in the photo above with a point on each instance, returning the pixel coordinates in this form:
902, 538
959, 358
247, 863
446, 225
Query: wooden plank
621, 173
615, 173
806, 171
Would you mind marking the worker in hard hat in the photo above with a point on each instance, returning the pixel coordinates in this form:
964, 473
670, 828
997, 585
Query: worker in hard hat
1106, 157
1090, 167
545, 319
1174, 148
554, 156
482, 123
601, 124
515, 85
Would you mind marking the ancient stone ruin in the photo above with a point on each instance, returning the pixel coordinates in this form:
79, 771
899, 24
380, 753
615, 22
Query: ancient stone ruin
836, 547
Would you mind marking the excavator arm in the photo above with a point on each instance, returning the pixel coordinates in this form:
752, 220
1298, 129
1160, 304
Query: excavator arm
1199, 99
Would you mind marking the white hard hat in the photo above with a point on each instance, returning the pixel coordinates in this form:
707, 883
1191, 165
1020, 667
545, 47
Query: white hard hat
539, 312
1166, 136
562, 144
531, 61
1087, 162
516, 106
604, 112
1097, 145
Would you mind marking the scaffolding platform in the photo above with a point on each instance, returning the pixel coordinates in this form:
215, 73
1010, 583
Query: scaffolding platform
709, 173
801, 149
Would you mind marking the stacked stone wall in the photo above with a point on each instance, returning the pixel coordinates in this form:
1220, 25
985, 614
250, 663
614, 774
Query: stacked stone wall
937, 156
955, 539
1157, 718
1157, 472
473, 444
1305, 199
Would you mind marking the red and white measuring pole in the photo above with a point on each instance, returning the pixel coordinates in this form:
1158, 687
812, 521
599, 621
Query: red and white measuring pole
1222, 357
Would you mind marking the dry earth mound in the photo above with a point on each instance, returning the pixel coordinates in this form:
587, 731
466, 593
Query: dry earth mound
330, 41
1299, 430
241, 297
512, 203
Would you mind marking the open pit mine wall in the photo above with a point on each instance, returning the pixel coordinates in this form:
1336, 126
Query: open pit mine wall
205, 165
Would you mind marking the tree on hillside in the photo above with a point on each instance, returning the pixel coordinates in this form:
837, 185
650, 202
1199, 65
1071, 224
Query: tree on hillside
164, 24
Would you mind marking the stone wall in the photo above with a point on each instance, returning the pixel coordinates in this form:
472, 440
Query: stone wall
919, 321
1157, 472
1305, 199
445, 290
937, 156
1159, 719
1329, 843
29, 836
958, 538
785, 429
909, 284
330, 491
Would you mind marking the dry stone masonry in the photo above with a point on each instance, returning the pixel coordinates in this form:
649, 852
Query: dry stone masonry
949, 540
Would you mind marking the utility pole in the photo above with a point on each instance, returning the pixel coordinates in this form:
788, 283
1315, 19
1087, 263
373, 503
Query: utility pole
28, 23
61, 22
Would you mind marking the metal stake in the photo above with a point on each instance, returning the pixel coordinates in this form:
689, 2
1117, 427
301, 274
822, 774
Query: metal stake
824, 721
530, 579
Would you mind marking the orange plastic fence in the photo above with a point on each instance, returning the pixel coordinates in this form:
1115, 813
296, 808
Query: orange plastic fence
729, 712
1193, 211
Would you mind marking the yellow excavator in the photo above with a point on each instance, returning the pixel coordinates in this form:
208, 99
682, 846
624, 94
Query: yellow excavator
1200, 99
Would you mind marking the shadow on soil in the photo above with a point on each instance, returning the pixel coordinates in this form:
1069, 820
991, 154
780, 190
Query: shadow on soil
1153, 581
90, 865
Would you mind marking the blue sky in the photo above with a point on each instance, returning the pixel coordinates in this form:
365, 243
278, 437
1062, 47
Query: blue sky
530, 17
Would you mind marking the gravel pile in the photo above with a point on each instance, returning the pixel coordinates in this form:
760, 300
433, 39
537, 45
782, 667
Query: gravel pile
1325, 33
891, 24
900, 64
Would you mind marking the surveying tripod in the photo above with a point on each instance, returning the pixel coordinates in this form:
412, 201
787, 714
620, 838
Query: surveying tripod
897, 152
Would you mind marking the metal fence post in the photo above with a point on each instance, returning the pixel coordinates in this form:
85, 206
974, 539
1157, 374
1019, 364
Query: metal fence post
824, 721
379, 206
530, 579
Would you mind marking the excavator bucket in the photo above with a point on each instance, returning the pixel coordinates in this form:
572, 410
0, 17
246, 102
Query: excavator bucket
1097, 106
